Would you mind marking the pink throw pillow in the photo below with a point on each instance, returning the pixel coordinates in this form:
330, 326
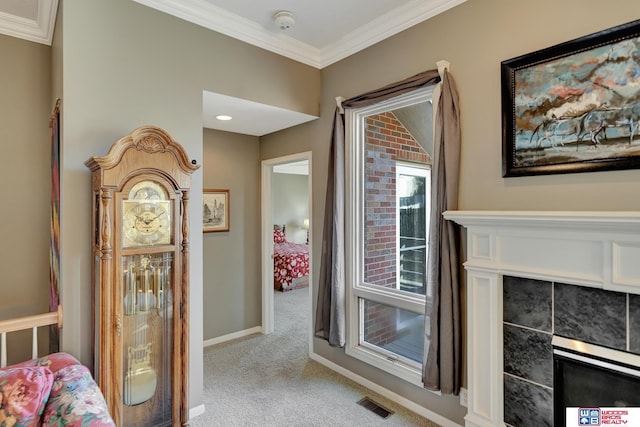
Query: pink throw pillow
23, 395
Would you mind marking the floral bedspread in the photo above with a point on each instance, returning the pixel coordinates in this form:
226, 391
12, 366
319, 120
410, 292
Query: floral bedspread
290, 261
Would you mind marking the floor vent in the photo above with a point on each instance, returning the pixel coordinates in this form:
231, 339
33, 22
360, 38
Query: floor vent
374, 407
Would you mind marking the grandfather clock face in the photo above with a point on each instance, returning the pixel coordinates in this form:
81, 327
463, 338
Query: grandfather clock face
146, 216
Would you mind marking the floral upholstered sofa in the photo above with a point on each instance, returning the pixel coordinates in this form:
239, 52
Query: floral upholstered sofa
54, 390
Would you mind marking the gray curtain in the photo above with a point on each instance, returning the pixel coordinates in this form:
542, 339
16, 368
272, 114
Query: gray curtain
330, 321
330, 308
442, 367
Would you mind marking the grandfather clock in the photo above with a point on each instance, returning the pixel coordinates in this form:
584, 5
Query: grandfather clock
141, 277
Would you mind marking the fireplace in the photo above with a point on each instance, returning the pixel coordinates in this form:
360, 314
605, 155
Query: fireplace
569, 254
550, 325
586, 375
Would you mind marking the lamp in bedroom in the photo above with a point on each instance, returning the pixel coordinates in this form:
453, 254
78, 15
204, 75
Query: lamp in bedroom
305, 226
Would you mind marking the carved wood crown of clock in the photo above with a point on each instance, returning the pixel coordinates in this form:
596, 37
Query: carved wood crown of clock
150, 144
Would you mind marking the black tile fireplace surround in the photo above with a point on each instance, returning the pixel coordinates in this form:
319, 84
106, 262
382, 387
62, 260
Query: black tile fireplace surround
536, 310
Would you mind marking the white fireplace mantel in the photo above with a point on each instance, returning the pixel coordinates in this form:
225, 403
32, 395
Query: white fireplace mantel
595, 249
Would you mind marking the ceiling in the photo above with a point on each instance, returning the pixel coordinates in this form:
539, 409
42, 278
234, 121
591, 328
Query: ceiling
323, 32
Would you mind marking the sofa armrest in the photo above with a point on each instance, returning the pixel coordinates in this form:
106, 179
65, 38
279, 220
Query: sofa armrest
53, 361
76, 400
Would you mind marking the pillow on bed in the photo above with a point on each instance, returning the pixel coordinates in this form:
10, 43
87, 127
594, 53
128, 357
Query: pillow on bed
23, 395
278, 236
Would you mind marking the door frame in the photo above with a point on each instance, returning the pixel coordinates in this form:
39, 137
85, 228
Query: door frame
267, 239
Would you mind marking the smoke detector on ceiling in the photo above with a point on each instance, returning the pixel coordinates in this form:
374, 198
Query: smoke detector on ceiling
284, 19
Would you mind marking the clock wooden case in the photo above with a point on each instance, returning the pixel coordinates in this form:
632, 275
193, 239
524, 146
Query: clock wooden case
141, 277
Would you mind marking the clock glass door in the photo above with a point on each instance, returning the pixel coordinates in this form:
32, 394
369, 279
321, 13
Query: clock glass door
147, 339
148, 272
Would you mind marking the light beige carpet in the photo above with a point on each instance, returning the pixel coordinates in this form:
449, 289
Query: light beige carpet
269, 380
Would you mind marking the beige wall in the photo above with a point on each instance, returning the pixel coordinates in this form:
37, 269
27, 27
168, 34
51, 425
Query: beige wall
474, 37
231, 280
126, 65
25, 107
497, 33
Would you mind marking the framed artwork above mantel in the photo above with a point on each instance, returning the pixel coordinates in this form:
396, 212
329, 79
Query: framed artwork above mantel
573, 107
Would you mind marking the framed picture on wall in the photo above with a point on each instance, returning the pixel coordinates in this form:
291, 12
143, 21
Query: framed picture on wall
573, 107
215, 210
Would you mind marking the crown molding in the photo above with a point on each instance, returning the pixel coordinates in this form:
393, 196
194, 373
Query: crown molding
217, 19
201, 13
39, 30
383, 27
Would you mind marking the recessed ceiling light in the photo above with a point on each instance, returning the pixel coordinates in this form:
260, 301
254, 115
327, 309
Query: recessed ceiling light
223, 117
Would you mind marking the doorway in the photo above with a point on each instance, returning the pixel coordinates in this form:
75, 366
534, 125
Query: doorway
267, 206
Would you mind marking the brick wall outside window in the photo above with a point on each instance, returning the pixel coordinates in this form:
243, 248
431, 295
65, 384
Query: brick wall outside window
387, 141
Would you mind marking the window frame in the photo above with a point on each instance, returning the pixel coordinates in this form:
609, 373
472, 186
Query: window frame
356, 288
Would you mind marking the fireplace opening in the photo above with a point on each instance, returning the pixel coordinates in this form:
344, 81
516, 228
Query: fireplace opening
585, 375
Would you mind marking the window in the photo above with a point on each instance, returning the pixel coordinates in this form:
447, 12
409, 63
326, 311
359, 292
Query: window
413, 189
388, 170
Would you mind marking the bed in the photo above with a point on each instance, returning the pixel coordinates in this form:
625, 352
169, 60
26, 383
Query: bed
51, 390
290, 262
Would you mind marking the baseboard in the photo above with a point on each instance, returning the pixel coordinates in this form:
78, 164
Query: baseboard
410, 405
198, 410
233, 336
